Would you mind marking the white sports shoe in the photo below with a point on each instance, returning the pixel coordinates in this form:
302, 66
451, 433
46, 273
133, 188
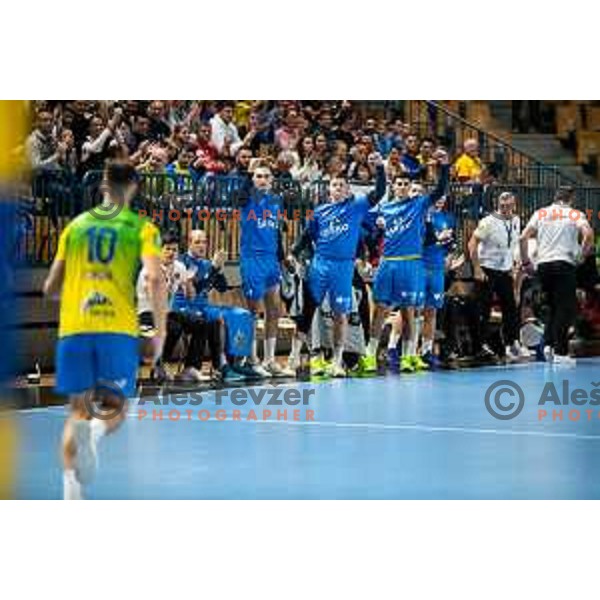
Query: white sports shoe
193, 374
548, 354
261, 371
564, 361
335, 370
516, 352
276, 370
85, 451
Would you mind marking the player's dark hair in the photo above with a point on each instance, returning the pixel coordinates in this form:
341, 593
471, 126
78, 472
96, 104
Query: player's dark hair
402, 176
564, 193
169, 237
119, 173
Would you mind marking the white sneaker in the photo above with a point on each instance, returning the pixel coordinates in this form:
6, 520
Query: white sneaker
85, 451
193, 374
548, 354
564, 361
335, 370
516, 352
522, 351
261, 371
276, 370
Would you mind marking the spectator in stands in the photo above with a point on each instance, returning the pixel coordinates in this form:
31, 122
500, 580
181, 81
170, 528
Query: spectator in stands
286, 161
182, 168
410, 158
345, 132
468, 166
80, 125
306, 168
140, 132
427, 161
324, 126
384, 140
287, 136
242, 162
42, 148
67, 158
155, 163
159, 129
393, 165
207, 155
262, 131
97, 148
397, 133
224, 134
321, 152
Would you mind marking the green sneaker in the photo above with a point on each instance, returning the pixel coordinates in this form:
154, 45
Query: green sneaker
367, 364
406, 364
418, 363
318, 366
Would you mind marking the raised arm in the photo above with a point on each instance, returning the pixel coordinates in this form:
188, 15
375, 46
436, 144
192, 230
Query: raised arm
440, 189
374, 196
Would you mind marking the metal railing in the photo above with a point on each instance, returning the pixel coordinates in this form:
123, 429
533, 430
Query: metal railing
182, 203
506, 162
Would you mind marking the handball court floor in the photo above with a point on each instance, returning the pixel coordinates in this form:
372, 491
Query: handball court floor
421, 436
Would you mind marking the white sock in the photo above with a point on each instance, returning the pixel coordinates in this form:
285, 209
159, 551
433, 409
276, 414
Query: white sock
393, 341
71, 487
408, 348
98, 429
338, 352
372, 347
269, 346
297, 344
427, 346
254, 352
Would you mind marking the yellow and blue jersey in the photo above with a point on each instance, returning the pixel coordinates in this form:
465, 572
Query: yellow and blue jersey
102, 259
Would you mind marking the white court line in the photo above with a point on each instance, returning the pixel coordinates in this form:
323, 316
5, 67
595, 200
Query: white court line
383, 426
437, 429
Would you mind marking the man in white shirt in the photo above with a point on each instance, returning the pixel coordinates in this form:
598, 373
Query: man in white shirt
493, 249
177, 279
563, 237
224, 134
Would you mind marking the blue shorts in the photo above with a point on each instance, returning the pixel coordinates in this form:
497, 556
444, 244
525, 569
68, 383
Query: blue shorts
333, 277
239, 327
85, 360
259, 275
400, 283
435, 276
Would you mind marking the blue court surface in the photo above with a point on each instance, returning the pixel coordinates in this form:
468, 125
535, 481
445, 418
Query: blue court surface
424, 436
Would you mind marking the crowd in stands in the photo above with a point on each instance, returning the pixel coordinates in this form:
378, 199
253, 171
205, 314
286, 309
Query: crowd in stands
303, 141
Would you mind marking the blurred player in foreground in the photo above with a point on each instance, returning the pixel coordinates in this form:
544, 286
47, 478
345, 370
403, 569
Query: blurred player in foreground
98, 348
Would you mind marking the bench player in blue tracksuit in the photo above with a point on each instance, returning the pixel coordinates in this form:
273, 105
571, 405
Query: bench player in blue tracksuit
261, 254
399, 281
238, 324
440, 240
334, 231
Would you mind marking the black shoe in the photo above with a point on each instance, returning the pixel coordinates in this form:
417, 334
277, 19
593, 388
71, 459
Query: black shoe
247, 372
